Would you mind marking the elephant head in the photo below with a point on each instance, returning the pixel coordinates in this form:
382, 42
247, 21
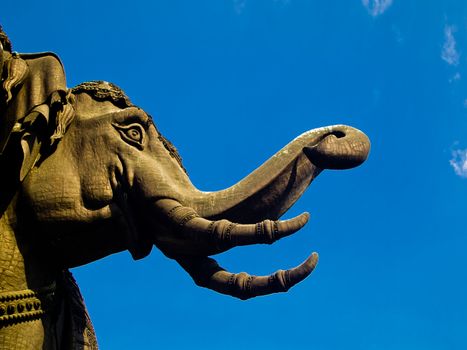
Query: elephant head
84, 173
113, 183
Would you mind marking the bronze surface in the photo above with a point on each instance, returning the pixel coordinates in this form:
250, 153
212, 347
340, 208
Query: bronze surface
85, 174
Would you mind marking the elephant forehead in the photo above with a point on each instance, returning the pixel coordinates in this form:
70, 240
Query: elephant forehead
88, 108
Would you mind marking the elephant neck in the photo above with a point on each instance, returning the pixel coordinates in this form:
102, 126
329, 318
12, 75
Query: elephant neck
22, 263
12, 269
13, 281
56, 316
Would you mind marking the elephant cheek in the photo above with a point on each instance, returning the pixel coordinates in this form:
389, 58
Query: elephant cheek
96, 192
150, 182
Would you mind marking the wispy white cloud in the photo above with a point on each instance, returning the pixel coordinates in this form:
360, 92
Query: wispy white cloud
449, 52
239, 5
459, 162
397, 34
455, 77
376, 7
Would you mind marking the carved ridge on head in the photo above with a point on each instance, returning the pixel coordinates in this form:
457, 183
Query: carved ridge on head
104, 91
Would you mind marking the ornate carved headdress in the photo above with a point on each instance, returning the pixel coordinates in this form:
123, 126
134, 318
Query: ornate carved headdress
104, 91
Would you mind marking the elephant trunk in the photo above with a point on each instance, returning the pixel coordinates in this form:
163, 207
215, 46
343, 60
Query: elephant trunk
270, 190
340, 149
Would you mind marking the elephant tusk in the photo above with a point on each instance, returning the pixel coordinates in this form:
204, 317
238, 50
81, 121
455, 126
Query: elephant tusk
226, 234
207, 273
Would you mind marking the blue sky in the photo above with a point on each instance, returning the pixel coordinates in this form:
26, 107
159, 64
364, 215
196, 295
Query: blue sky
229, 83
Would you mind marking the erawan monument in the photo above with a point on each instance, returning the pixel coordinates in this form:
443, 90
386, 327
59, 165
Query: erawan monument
85, 173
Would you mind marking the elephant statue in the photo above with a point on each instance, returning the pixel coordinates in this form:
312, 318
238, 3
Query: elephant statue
85, 174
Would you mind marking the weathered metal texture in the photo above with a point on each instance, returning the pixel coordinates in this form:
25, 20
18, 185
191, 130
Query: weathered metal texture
85, 173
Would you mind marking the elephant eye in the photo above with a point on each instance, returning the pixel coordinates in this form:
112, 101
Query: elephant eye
132, 134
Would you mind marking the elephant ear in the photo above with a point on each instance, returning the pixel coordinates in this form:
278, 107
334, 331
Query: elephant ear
36, 107
33, 80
